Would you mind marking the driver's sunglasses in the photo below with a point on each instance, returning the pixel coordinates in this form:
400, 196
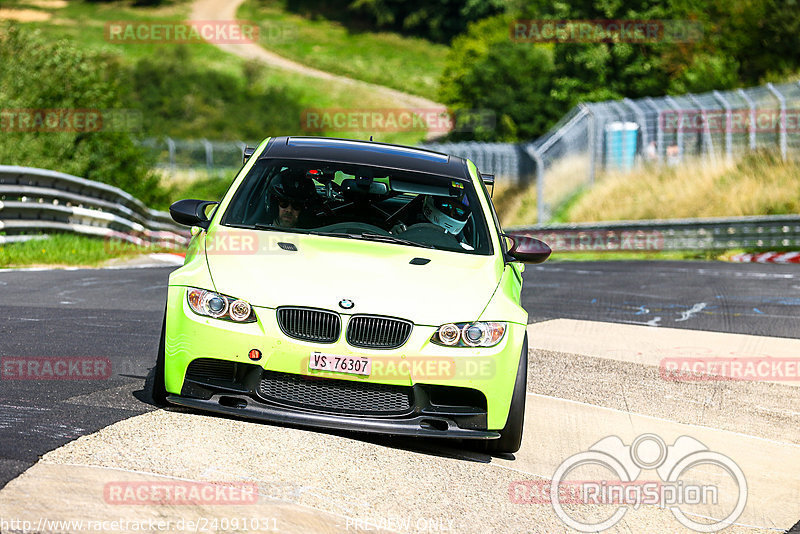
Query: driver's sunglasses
296, 206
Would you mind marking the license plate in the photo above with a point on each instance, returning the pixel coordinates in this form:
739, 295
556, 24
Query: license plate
341, 364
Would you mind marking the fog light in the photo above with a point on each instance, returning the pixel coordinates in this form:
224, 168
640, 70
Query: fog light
254, 354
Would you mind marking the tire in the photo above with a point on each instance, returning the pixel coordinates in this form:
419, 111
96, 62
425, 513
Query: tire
159, 390
510, 438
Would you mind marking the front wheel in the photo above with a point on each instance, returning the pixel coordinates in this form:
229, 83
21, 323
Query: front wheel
510, 438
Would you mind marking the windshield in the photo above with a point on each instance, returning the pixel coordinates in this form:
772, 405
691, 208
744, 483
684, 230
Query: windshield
361, 202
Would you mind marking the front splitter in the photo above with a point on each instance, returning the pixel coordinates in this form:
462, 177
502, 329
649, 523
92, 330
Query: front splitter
418, 426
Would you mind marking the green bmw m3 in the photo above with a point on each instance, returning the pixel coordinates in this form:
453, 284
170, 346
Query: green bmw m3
351, 285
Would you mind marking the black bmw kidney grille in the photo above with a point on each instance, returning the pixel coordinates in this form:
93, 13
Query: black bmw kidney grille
310, 324
336, 396
375, 332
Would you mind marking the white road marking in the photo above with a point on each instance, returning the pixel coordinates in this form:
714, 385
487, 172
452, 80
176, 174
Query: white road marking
686, 315
652, 322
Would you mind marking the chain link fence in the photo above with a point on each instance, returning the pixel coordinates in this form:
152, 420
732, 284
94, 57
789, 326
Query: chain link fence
617, 136
620, 135
593, 138
196, 157
509, 163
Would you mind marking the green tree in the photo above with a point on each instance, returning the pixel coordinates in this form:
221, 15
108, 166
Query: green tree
741, 44
41, 75
487, 70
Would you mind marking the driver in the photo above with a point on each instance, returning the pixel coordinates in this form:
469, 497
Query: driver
451, 213
288, 197
448, 213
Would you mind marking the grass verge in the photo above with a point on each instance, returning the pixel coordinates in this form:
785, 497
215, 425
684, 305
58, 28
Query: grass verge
205, 113
68, 250
412, 65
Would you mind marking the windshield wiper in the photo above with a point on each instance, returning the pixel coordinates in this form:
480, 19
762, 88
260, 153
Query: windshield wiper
393, 239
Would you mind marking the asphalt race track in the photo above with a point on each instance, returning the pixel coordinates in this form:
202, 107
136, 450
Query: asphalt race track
593, 373
736, 298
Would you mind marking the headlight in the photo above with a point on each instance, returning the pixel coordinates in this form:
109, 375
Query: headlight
477, 334
210, 304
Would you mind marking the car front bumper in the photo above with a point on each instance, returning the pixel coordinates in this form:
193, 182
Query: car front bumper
426, 370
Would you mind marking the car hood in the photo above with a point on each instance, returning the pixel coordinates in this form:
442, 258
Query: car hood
378, 277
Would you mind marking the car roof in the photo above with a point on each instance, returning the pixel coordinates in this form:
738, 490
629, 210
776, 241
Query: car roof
366, 153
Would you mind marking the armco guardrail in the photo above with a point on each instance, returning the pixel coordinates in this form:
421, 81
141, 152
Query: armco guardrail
37, 201
751, 233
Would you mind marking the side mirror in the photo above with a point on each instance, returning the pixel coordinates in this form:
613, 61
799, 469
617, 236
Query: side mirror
488, 179
528, 249
191, 212
247, 152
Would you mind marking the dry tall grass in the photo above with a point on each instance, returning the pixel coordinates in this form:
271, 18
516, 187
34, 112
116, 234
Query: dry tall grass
515, 205
758, 184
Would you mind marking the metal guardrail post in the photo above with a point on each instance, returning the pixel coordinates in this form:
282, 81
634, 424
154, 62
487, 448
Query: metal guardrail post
592, 141
679, 133
620, 110
540, 207
642, 120
171, 149
659, 130
708, 145
752, 106
728, 125
782, 101
209, 155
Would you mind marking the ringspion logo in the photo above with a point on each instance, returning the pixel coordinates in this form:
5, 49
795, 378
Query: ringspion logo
682, 470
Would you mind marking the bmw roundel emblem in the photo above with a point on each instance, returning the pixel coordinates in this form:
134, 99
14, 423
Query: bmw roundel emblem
346, 304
